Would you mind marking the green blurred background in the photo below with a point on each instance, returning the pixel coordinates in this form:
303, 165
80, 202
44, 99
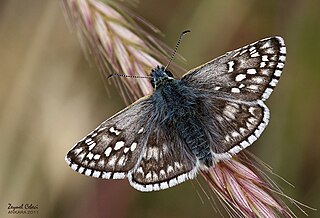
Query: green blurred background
51, 97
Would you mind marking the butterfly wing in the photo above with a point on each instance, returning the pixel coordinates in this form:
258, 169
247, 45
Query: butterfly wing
134, 143
234, 124
165, 162
114, 147
235, 87
247, 73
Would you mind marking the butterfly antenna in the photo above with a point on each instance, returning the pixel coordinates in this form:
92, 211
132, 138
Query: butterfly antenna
176, 48
130, 76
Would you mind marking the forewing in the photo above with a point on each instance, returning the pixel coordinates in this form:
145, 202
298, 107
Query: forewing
115, 146
248, 73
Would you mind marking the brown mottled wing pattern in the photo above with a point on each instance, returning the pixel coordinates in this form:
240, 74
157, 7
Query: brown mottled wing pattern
165, 162
237, 84
131, 144
114, 147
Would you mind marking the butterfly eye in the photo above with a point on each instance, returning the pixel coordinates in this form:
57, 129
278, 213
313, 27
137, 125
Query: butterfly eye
169, 73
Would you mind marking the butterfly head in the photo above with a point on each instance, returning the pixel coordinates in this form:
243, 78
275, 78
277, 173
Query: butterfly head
160, 76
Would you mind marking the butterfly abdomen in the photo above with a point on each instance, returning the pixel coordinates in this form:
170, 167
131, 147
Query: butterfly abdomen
191, 132
181, 108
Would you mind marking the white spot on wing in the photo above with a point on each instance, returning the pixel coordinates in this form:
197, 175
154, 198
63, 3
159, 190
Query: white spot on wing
81, 170
181, 178
140, 170
235, 150
258, 79
90, 156
235, 90
96, 173
266, 72
278, 73
92, 146
283, 50
156, 187
87, 172
222, 156
170, 169
252, 120
173, 182
266, 93
77, 151
126, 149
280, 65
74, 167
148, 176
258, 131
251, 71
112, 160
81, 156
162, 173
89, 140
230, 66
240, 77
282, 58
119, 145
140, 130
256, 54
133, 146
115, 131
253, 87
148, 187
241, 86
266, 45
251, 110
227, 138
122, 161
229, 114
249, 125
119, 175
177, 165
265, 58
106, 175
155, 177
252, 139
164, 185
262, 64
108, 151
153, 152
235, 134
101, 162
242, 130
251, 49
96, 157
273, 82
244, 144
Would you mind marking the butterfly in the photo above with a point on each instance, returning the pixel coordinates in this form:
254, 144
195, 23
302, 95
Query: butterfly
213, 112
